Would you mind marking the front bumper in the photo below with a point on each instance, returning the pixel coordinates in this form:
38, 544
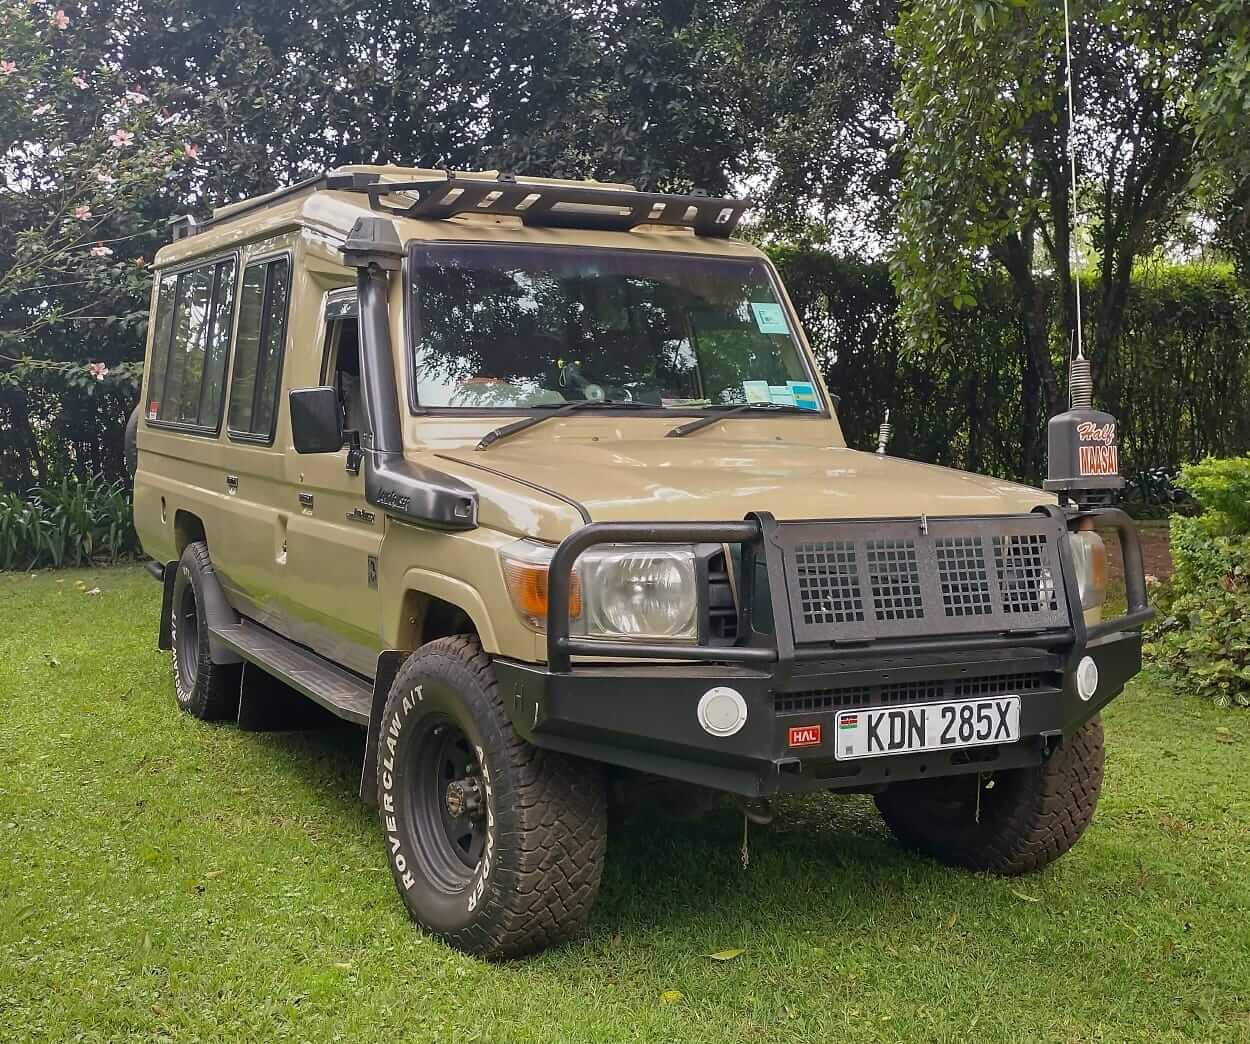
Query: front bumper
978, 608
644, 717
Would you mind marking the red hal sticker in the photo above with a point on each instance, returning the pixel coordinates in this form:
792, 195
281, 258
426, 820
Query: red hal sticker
804, 735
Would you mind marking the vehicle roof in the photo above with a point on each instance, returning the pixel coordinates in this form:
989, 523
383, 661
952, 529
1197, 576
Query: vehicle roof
331, 212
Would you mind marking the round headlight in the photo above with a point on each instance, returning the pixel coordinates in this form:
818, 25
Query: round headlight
643, 594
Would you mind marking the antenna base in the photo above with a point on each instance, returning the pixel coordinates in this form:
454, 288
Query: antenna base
1083, 458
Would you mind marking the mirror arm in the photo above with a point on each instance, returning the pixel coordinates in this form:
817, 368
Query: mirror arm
352, 438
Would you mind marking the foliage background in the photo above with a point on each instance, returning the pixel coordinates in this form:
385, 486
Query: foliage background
806, 105
1204, 628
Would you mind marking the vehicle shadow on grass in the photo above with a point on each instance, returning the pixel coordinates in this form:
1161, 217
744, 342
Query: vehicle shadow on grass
674, 861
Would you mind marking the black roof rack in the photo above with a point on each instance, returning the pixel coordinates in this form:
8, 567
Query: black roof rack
535, 203
548, 206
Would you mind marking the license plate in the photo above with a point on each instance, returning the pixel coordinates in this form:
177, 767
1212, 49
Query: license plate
927, 726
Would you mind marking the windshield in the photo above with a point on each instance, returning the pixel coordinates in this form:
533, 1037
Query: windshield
521, 326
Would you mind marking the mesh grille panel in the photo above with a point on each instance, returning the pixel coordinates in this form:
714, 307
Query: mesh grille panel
961, 570
829, 582
1024, 576
913, 692
1000, 684
819, 700
810, 701
894, 575
852, 581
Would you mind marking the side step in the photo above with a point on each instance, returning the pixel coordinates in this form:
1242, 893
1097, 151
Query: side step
342, 693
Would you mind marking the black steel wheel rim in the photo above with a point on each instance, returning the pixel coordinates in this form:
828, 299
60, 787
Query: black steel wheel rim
187, 647
449, 843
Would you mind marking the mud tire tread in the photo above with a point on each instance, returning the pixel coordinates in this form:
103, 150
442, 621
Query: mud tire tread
1046, 811
555, 853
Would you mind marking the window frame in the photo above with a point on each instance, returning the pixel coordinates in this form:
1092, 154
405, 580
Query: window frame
178, 271
415, 408
257, 438
339, 304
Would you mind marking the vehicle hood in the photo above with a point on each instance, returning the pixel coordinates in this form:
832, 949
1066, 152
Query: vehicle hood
650, 480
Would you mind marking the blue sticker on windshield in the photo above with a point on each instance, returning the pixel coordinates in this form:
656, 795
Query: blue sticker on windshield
804, 393
769, 317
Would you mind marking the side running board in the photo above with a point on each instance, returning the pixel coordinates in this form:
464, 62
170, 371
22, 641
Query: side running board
342, 693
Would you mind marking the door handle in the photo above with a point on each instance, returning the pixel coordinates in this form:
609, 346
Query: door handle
306, 501
232, 483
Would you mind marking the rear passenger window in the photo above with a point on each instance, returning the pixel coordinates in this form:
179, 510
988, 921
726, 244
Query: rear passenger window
258, 349
190, 342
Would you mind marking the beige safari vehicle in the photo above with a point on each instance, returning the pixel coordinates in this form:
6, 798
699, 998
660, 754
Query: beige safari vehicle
537, 481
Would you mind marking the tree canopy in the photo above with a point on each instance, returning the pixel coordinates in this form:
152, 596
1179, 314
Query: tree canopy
986, 173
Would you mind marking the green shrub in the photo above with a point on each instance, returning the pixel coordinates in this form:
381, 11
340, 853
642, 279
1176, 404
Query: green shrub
72, 523
1204, 633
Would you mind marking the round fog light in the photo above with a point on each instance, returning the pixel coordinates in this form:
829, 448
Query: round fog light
1087, 678
722, 711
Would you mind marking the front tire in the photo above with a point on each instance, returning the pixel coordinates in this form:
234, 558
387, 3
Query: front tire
1026, 817
205, 690
496, 846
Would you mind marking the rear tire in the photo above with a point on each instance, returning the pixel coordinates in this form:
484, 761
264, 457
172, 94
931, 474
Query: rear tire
1029, 817
496, 846
131, 442
204, 689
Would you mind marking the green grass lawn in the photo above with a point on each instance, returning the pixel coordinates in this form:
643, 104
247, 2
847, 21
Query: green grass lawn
165, 879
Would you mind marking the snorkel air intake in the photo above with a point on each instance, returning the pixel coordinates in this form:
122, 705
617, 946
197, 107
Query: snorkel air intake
398, 486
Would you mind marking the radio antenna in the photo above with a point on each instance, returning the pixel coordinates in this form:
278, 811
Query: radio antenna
1080, 375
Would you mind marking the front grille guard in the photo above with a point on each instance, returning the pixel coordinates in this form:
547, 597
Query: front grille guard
934, 569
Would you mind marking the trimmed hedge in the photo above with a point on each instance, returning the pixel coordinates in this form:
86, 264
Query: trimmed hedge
1204, 633
1178, 380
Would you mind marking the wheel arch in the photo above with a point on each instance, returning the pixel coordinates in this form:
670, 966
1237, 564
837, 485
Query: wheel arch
433, 605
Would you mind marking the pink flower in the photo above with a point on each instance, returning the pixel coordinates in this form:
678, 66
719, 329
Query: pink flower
100, 250
136, 95
105, 179
60, 19
44, 108
98, 370
121, 138
79, 82
191, 151
82, 213
8, 68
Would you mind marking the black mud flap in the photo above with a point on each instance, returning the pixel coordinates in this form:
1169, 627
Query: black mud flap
164, 639
268, 705
389, 663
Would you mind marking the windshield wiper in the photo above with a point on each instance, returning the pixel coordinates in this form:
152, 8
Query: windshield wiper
491, 437
723, 412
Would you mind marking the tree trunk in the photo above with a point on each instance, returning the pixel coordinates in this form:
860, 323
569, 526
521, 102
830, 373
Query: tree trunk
1034, 309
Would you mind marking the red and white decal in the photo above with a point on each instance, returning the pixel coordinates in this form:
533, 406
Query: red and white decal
1099, 460
804, 736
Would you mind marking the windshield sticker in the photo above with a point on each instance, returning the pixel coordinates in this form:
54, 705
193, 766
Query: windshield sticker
756, 391
804, 393
780, 395
769, 317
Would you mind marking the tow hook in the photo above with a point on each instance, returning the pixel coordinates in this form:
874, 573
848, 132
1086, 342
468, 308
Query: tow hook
757, 810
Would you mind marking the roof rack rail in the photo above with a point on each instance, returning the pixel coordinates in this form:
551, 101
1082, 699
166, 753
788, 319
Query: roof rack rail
534, 202
546, 205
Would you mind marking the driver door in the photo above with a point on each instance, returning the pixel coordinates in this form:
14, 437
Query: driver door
335, 537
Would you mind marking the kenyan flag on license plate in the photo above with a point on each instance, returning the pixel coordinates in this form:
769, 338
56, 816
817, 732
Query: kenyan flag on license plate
850, 721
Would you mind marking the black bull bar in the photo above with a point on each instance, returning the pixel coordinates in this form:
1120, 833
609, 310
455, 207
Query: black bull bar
761, 538
802, 653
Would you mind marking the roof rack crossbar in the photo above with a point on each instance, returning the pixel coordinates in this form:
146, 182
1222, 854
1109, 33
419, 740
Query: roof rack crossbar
550, 206
534, 202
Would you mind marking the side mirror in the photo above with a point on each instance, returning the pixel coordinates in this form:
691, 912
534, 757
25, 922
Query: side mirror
316, 420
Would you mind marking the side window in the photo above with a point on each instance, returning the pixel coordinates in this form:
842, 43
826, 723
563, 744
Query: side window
341, 367
190, 341
258, 349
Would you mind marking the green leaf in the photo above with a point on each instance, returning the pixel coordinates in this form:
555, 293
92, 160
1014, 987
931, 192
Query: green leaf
726, 955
